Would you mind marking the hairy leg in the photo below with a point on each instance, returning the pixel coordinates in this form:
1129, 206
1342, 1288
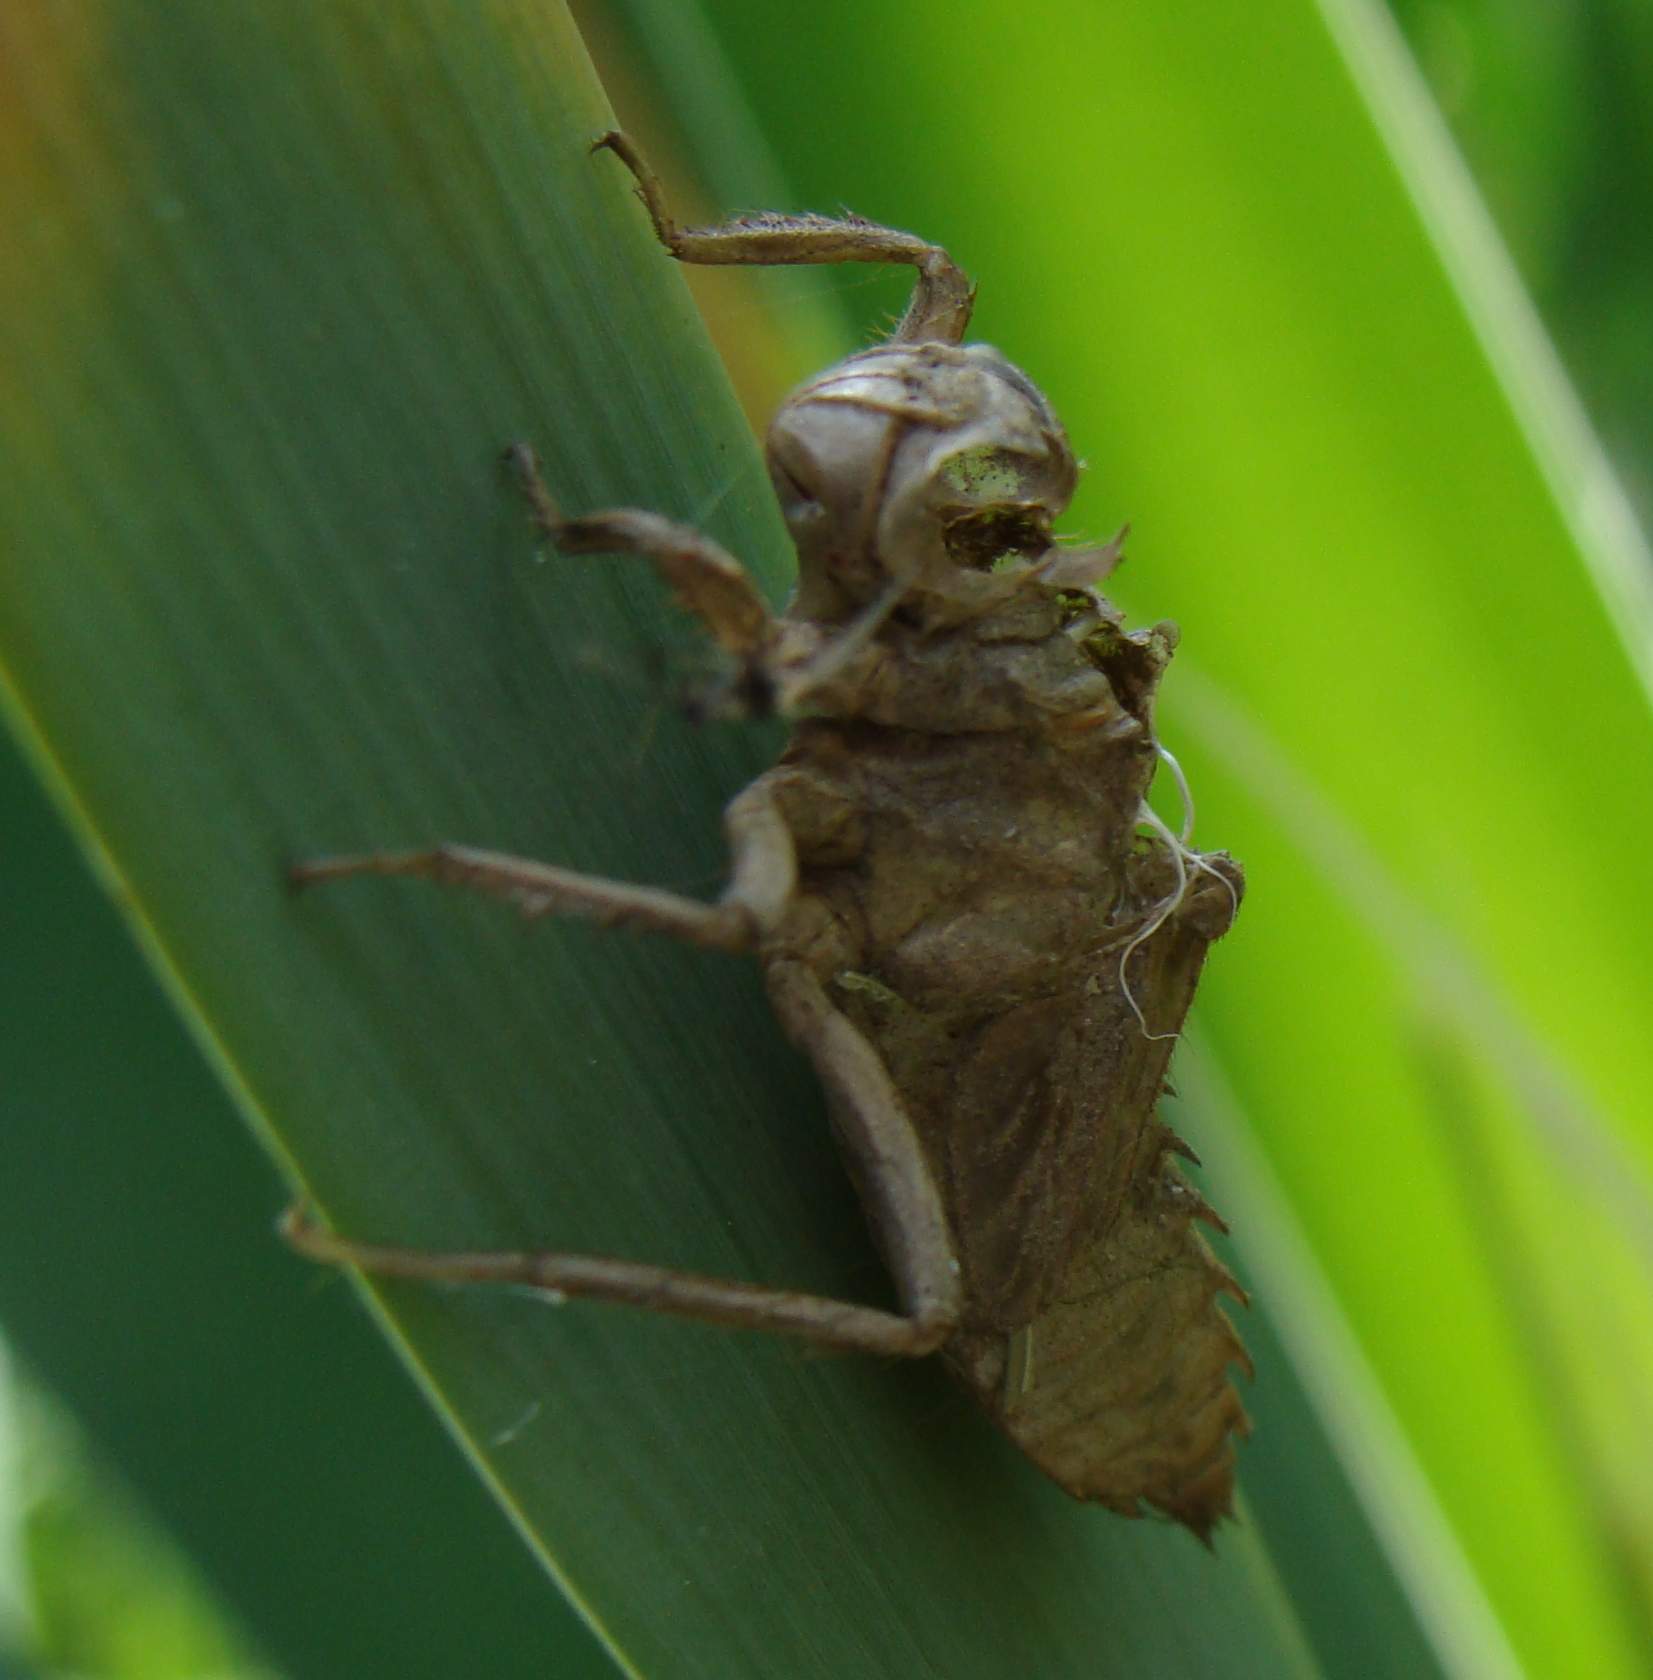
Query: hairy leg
942, 295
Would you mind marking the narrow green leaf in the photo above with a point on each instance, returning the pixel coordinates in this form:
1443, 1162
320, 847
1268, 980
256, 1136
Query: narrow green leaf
249, 1411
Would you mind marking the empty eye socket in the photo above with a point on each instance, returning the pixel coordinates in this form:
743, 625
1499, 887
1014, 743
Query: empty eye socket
996, 536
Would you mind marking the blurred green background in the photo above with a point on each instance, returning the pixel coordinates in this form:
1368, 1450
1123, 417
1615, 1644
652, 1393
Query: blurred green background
1550, 105
1401, 701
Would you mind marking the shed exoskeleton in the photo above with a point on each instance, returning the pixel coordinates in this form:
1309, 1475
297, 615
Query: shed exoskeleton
944, 883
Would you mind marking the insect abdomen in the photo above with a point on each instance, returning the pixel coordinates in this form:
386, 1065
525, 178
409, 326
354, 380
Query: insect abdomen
1120, 1389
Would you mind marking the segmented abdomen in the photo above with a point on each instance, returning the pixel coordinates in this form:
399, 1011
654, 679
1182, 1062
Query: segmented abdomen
1120, 1390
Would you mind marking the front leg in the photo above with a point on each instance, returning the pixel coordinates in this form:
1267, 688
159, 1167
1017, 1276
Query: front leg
942, 294
707, 580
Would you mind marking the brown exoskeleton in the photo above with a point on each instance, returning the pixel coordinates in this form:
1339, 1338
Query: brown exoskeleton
944, 883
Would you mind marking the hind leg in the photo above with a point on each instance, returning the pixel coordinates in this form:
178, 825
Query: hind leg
879, 1138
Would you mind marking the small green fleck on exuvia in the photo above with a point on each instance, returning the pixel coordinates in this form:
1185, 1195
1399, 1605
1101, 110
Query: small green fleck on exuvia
984, 472
1106, 638
863, 985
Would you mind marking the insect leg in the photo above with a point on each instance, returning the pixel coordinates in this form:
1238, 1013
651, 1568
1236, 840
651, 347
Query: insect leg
942, 295
742, 1306
904, 1200
883, 1151
541, 889
890, 1166
763, 872
707, 580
